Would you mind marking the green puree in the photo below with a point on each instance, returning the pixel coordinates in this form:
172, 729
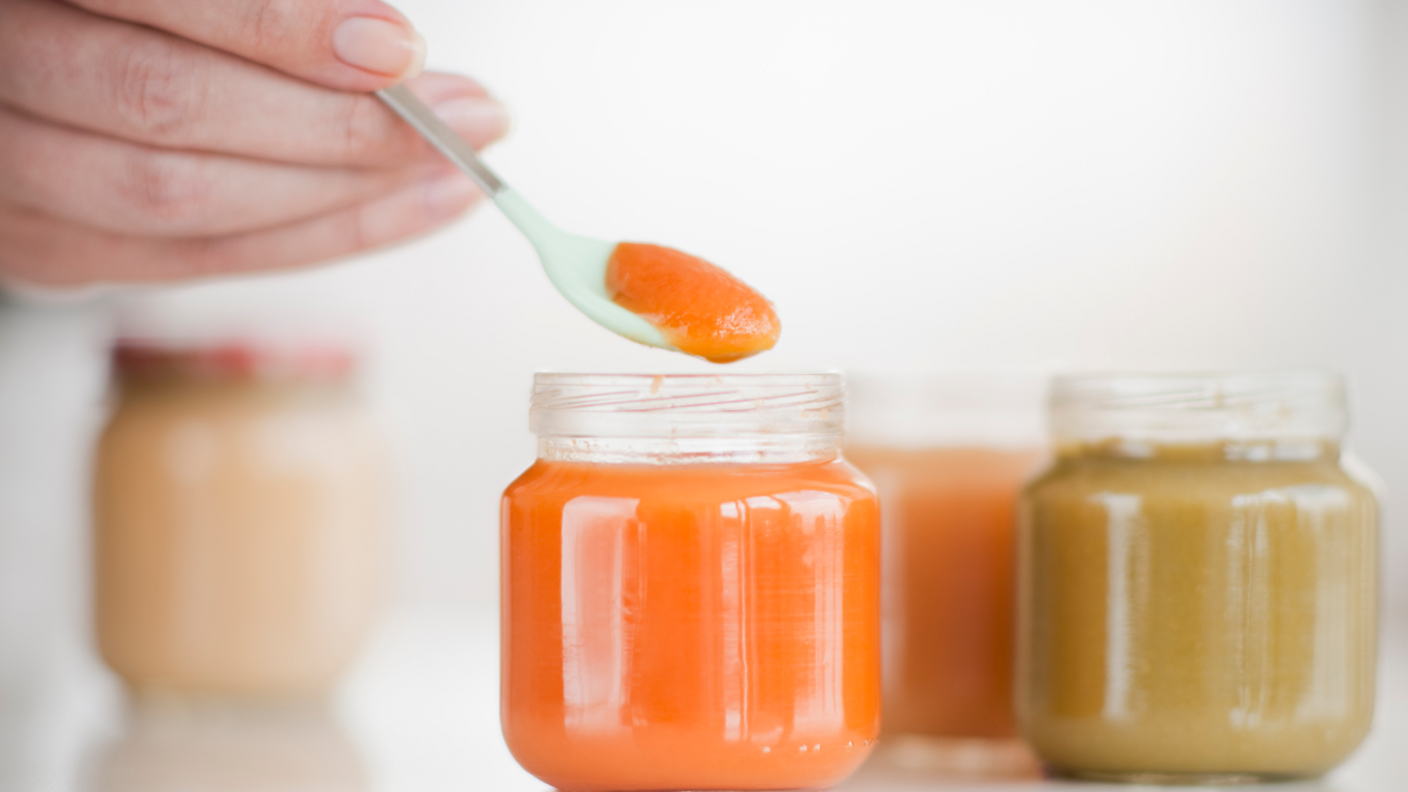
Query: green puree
1187, 611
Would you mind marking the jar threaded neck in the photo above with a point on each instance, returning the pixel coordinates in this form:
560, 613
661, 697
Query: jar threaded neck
689, 418
1292, 411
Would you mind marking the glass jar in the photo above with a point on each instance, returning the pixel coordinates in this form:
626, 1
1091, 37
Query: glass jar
237, 511
690, 578
1198, 581
948, 454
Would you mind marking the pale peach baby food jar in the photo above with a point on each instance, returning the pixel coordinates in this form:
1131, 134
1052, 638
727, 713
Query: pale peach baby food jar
690, 586
237, 509
1198, 581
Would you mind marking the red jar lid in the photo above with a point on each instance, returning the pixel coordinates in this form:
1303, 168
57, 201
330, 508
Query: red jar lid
234, 359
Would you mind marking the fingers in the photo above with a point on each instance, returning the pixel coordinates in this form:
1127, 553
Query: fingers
44, 251
355, 45
149, 140
72, 67
126, 188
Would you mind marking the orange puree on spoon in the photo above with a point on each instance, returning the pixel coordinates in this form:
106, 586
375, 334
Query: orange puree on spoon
698, 307
652, 295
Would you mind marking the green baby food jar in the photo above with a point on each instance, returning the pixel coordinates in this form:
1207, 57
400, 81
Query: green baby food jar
1198, 581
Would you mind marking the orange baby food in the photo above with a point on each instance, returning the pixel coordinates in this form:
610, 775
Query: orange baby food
700, 308
690, 626
950, 530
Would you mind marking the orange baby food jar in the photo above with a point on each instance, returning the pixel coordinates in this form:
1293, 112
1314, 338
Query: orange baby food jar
690, 577
948, 454
237, 513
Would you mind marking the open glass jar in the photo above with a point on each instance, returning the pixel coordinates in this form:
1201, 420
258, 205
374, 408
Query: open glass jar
948, 454
1198, 581
690, 578
237, 514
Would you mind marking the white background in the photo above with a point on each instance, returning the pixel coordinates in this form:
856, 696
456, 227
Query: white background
917, 185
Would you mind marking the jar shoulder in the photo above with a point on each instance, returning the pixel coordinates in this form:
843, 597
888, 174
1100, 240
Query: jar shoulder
153, 412
689, 483
310, 429
1204, 480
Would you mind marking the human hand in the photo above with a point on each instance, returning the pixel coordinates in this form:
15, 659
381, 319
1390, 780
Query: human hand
150, 140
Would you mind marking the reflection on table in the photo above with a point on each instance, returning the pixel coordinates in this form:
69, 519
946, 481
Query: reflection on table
167, 746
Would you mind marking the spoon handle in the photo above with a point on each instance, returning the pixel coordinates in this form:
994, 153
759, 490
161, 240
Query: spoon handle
441, 136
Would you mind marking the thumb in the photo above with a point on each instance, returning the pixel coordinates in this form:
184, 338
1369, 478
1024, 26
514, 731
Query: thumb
354, 45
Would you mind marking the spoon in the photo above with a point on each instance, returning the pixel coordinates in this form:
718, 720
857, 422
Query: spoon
576, 265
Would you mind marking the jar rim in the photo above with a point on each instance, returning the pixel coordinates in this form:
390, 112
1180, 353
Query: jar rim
997, 408
232, 358
687, 405
1191, 407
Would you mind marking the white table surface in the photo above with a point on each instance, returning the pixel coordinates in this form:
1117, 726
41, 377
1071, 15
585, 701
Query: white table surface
420, 714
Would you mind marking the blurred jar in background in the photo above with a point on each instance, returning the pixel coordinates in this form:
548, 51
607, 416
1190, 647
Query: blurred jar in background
948, 454
1199, 581
690, 586
238, 510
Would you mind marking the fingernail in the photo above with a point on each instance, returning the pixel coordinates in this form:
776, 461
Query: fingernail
448, 195
480, 117
381, 46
